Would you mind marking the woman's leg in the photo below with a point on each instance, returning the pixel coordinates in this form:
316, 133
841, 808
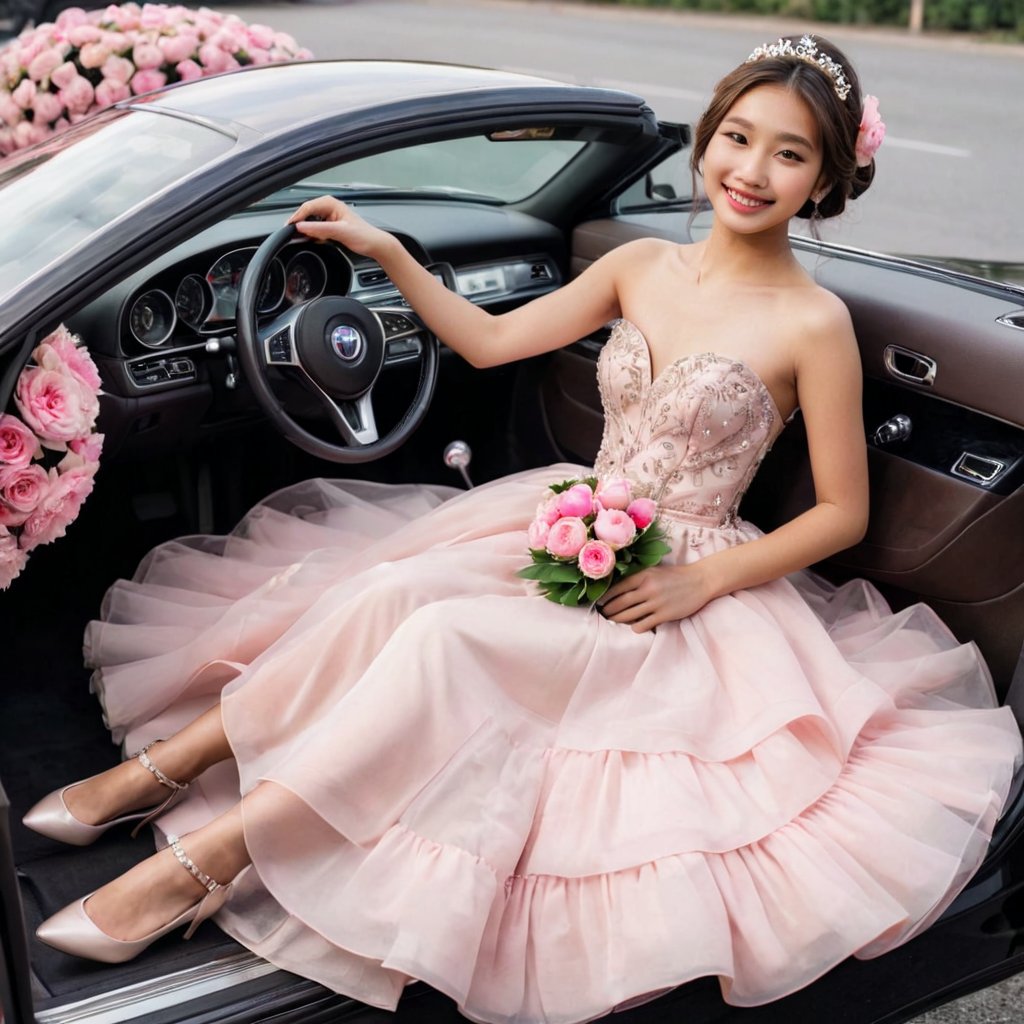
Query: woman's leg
130, 786
159, 889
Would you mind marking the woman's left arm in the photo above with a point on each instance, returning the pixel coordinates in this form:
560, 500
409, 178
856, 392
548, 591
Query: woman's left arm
828, 383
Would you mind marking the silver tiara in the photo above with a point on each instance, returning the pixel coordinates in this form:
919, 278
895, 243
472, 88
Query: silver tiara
807, 51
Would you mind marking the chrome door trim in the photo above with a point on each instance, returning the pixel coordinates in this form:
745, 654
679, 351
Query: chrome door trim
146, 997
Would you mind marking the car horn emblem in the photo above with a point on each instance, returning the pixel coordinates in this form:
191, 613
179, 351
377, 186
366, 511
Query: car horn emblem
347, 342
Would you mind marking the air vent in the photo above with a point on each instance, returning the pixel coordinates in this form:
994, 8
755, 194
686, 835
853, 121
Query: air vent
540, 272
372, 278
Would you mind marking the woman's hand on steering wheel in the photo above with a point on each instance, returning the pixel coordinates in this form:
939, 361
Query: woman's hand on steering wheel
326, 218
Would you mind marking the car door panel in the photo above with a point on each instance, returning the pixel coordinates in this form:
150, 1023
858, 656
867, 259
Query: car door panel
933, 535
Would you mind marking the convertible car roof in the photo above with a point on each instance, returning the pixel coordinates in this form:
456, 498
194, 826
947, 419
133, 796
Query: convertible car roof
273, 98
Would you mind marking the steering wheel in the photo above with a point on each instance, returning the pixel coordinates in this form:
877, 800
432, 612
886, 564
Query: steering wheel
339, 347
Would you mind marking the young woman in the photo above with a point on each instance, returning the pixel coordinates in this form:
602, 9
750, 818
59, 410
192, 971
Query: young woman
539, 811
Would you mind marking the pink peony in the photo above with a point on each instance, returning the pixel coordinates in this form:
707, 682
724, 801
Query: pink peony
258, 56
642, 512
188, 70
179, 47
566, 537
147, 81
63, 76
146, 55
28, 134
261, 36
577, 501
94, 55
537, 534
547, 510
24, 94
154, 16
78, 95
58, 509
46, 108
871, 132
80, 35
109, 92
21, 490
125, 18
615, 493
61, 351
614, 527
45, 63
55, 405
18, 445
70, 18
90, 448
215, 60
118, 69
12, 558
10, 112
596, 559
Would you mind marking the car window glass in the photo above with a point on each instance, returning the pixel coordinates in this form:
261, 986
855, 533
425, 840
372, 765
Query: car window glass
60, 193
668, 184
505, 170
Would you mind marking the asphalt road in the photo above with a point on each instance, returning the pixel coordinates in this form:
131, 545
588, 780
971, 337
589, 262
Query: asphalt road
949, 174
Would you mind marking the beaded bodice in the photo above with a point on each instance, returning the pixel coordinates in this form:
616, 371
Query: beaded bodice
693, 436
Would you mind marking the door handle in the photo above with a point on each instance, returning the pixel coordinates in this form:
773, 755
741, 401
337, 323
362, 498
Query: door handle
909, 366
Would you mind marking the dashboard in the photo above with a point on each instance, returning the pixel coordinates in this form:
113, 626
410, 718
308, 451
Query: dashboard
169, 328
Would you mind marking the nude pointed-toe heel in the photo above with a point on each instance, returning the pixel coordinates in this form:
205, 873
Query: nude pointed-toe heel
51, 817
72, 931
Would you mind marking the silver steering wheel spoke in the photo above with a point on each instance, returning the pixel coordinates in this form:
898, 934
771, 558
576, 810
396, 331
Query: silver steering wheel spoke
354, 418
277, 340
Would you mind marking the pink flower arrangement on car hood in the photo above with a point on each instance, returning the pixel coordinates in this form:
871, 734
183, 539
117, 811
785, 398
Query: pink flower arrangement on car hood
58, 399
58, 73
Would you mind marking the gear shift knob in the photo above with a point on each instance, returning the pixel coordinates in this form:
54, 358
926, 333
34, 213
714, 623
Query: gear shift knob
458, 455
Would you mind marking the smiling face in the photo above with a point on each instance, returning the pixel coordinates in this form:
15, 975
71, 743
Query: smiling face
763, 161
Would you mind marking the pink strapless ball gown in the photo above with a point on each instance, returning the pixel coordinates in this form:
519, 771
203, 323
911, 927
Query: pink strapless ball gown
531, 808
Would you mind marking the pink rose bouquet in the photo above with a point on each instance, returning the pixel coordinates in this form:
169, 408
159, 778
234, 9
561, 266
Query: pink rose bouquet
57, 74
49, 453
588, 534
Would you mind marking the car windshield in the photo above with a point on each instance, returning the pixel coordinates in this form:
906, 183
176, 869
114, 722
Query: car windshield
502, 167
64, 191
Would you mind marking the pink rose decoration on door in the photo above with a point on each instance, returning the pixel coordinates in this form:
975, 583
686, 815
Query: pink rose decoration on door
49, 452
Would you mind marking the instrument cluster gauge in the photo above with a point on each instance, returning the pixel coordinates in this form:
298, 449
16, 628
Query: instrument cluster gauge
193, 300
271, 289
151, 318
225, 276
305, 278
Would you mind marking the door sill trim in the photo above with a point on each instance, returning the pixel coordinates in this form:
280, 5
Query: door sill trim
134, 1001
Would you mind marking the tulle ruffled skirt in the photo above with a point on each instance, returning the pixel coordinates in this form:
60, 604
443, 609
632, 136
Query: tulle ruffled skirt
533, 809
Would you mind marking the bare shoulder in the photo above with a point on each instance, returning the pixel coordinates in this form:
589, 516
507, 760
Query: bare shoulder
644, 251
824, 327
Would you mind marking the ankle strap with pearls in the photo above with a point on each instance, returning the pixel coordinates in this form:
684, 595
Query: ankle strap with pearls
164, 780
190, 865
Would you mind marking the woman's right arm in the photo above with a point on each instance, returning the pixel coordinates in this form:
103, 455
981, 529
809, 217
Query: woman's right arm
482, 338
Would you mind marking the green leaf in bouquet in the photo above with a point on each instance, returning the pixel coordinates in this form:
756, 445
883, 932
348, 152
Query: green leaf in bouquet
563, 486
646, 561
596, 588
647, 549
550, 572
575, 594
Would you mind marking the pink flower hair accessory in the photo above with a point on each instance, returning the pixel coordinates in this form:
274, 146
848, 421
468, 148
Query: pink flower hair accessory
871, 132
49, 454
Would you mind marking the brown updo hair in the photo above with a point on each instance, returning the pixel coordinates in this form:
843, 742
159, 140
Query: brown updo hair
838, 120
